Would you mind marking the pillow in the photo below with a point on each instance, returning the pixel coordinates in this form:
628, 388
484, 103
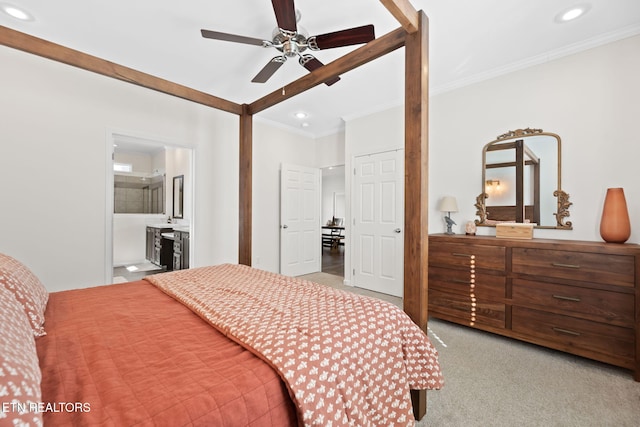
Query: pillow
20, 376
27, 289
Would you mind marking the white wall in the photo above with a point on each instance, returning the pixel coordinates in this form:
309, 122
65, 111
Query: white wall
55, 121
178, 162
590, 99
140, 162
129, 237
330, 150
332, 188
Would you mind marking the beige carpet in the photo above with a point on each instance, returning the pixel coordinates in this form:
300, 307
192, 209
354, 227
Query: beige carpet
338, 282
495, 381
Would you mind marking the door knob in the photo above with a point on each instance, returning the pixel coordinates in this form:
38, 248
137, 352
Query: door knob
285, 226
397, 230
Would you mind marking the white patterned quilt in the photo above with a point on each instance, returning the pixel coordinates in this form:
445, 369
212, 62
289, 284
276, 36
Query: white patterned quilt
347, 359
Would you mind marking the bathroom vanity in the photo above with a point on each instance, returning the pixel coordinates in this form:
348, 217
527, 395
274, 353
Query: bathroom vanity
167, 246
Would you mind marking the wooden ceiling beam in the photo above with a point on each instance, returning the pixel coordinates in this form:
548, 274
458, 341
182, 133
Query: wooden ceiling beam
405, 13
367, 53
46, 49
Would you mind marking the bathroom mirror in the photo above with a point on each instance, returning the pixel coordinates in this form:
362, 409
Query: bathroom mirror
521, 181
138, 193
178, 193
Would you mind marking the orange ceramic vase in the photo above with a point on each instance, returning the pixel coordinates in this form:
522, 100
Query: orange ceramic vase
615, 226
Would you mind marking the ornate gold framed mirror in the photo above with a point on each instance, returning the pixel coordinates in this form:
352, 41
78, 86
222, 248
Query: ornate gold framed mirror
521, 181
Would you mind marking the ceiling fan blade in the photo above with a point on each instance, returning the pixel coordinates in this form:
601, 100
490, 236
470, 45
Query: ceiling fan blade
269, 69
348, 37
231, 38
285, 11
312, 63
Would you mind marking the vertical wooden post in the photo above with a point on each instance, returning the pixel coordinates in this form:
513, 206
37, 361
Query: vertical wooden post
416, 250
245, 187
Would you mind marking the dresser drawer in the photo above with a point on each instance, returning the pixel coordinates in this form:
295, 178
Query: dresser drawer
460, 281
608, 269
460, 309
599, 305
466, 256
590, 339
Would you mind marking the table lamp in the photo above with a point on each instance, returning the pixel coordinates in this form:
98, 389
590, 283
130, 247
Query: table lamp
448, 204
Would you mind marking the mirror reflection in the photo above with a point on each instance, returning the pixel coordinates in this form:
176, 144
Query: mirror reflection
139, 194
521, 181
178, 199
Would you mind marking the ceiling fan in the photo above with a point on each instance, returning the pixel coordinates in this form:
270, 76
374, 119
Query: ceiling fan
292, 41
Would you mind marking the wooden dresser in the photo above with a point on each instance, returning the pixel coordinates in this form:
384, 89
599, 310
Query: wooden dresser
579, 297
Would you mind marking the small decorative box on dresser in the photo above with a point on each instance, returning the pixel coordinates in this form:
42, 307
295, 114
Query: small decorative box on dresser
579, 297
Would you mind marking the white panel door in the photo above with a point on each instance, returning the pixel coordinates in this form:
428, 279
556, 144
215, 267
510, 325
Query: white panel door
378, 220
300, 244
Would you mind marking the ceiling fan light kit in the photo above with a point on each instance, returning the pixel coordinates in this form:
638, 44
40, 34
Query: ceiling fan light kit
292, 41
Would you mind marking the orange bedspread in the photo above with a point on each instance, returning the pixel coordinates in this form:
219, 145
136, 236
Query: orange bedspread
348, 360
128, 354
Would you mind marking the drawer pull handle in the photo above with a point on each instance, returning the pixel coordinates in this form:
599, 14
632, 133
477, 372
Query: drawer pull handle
462, 255
566, 298
557, 264
567, 332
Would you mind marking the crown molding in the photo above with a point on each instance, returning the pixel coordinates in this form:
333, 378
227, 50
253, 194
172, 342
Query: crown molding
603, 39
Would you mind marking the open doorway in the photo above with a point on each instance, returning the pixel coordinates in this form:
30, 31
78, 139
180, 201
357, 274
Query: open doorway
333, 220
141, 195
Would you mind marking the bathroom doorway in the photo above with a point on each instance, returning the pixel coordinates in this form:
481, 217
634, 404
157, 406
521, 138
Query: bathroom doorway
140, 194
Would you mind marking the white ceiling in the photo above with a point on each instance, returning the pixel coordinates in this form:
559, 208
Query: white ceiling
470, 40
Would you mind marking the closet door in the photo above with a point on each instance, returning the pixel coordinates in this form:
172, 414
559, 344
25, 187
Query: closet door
378, 221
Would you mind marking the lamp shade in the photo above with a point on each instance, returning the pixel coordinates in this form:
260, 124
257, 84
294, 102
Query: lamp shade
448, 204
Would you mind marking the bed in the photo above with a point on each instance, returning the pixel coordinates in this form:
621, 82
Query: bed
226, 345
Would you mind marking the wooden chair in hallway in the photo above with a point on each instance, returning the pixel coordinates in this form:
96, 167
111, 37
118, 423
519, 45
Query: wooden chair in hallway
333, 235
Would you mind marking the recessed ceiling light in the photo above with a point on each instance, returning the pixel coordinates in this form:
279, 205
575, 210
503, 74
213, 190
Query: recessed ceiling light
16, 12
301, 115
572, 13
305, 125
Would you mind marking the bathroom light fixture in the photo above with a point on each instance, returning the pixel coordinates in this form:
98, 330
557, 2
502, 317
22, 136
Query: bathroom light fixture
572, 13
16, 12
491, 182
